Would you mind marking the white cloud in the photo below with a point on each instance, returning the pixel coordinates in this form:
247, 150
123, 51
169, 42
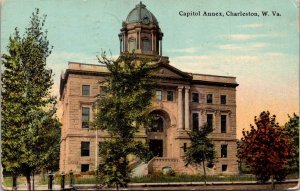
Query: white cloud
245, 37
230, 47
184, 50
258, 45
244, 47
233, 64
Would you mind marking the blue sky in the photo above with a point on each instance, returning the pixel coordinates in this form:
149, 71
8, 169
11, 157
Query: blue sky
262, 52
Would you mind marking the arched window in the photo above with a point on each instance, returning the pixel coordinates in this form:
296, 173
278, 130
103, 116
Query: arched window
158, 125
146, 46
132, 44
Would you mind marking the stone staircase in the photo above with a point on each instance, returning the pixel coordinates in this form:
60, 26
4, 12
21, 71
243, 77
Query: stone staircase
157, 163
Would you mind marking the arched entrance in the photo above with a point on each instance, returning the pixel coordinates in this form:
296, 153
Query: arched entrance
157, 133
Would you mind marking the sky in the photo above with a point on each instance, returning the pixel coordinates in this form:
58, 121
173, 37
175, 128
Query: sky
262, 52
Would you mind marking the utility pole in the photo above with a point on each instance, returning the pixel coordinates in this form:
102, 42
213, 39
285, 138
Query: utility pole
96, 150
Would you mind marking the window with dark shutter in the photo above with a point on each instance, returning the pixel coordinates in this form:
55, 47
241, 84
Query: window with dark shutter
209, 98
224, 167
223, 99
195, 97
223, 123
209, 120
85, 167
223, 151
85, 117
195, 121
170, 95
85, 90
85, 149
132, 45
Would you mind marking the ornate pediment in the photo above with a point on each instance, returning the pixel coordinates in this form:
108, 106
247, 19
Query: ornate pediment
168, 71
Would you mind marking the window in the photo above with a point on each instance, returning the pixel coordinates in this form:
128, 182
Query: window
85, 117
223, 123
85, 149
195, 121
170, 95
158, 125
223, 151
85, 167
195, 97
184, 147
224, 167
158, 95
209, 98
146, 45
223, 99
103, 91
132, 45
85, 90
209, 120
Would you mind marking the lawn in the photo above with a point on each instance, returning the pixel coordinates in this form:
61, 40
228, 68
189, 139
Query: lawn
159, 178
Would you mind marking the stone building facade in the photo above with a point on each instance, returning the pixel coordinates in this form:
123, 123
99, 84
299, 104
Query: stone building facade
183, 101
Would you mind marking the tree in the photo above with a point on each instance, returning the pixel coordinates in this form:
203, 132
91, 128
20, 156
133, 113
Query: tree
201, 152
266, 149
30, 129
121, 113
292, 128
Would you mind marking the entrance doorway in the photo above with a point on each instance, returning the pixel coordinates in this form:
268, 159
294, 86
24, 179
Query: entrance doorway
156, 147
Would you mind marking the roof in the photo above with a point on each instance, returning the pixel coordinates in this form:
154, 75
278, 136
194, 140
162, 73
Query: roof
213, 78
141, 14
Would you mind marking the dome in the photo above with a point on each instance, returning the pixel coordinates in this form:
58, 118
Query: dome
141, 14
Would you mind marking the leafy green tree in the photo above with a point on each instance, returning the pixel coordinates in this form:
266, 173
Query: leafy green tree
12, 111
121, 113
266, 149
292, 128
201, 152
30, 129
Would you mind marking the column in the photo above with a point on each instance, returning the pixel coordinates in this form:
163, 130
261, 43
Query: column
152, 41
186, 108
120, 38
160, 49
139, 37
180, 107
124, 43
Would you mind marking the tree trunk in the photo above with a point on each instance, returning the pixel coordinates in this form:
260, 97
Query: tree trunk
15, 182
204, 173
33, 181
43, 175
272, 180
28, 182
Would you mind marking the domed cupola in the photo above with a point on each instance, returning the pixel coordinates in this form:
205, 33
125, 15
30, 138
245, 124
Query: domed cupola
141, 33
141, 15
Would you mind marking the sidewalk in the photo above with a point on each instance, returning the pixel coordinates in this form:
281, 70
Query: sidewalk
38, 188
294, 185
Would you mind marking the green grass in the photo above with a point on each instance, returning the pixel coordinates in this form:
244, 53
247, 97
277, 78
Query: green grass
191, 178
7, 181
292, 176
159, 178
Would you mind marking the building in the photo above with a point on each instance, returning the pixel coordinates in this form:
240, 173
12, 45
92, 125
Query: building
184, 102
